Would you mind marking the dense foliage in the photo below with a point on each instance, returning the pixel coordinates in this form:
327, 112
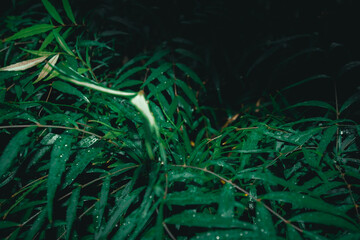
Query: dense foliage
86, 156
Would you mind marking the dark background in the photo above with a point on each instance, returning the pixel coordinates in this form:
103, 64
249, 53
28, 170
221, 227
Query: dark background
248, 48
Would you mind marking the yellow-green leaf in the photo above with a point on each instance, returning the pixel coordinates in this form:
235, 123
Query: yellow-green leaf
20, 66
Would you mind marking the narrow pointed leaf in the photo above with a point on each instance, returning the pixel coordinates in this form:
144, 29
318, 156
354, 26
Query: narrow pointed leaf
188, 71
12, 150
71, 211
52, 11
68, 11
67, 88
60, 40
120, 209
264, 223
30, 31
227, 202
82, 159
39, 53
49, 38
194, 219
59, 155
36, 226
319, 104
47, 68
299, 200
155, 73
101, 204
20, 66
326, 219
354, 98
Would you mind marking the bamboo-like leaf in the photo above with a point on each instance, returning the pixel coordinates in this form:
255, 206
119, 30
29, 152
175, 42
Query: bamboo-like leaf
326, 139
190, 73
354, 98
52, 11
101, 204
299, 200
67, 88
39, 53
8, 224
71, 211
120, 209
227, 234
60, 40
36, 226
157, 56
68, 11
30, 31
12, 149
227, 202
326, 219
188, 91
47, 68
155, 73
20, 66
319, 104
264, 223
49, 38
59, 155
82, 159
195, 219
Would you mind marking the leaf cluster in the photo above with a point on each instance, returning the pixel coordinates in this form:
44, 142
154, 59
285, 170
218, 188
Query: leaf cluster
131, 152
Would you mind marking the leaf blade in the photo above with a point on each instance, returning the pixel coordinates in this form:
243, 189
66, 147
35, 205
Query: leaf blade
52, 11
69, 11
21, 66
30, 31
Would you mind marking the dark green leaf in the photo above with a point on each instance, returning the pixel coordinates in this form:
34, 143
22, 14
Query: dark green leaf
52, 11
71, 211
68, 11
195, 219
82, 159
59, 155
326, 219
67, 88
299, 200
13, 148
264, 223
